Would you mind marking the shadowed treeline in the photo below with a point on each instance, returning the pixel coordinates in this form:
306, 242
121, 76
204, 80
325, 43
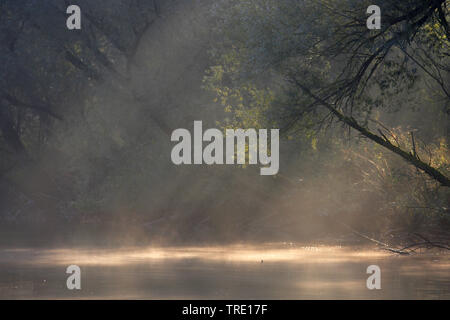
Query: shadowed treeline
86, 118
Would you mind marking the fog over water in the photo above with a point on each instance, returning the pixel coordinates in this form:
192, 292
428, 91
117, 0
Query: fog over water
87, 177
227, 272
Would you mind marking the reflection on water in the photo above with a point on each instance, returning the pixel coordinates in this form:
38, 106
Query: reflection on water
232, 272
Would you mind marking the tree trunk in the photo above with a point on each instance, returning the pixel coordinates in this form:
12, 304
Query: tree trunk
351, 122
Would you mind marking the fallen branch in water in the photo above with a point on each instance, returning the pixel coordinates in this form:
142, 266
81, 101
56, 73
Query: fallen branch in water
426, 243
385, 245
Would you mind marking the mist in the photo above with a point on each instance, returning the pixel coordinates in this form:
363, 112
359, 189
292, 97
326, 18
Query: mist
87, 119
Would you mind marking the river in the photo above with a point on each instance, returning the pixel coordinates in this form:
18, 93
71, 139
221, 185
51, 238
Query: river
272, 271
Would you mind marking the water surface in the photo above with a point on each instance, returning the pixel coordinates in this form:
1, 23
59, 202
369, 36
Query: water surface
231, 272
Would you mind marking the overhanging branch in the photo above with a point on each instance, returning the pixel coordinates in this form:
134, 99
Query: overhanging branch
351, 122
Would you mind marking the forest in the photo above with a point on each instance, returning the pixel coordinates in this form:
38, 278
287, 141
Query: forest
86, 118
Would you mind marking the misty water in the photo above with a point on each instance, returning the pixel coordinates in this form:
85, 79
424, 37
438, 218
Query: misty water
272, 271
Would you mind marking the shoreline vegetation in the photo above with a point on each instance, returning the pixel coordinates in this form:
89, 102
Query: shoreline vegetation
400, 242
86, 118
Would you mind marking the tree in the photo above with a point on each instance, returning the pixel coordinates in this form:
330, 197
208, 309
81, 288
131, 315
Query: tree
310, 54
49, 73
